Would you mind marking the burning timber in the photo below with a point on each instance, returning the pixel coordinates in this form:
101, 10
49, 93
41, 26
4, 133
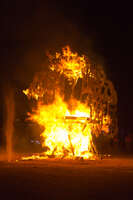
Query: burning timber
74, 102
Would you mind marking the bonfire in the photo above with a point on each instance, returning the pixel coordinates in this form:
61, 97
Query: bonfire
75, 103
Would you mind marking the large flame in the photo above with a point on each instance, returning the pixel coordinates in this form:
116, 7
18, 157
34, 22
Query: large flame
69, 125
64, 133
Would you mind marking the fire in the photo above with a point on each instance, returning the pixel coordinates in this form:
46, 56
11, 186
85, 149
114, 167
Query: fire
69, 64
69, 122
63, 133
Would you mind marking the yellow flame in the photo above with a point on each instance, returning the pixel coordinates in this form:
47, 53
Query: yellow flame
68, 127
63, 133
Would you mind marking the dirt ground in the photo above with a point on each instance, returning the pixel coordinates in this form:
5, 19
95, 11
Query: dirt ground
101, 179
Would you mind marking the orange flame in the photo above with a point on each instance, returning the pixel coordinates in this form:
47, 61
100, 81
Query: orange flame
64, 135
67, 132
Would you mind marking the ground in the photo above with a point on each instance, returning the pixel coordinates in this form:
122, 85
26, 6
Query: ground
101, 179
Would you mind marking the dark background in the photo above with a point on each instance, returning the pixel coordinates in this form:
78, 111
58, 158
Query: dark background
104, 31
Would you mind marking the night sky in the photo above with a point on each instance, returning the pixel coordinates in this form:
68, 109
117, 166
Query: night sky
104, 31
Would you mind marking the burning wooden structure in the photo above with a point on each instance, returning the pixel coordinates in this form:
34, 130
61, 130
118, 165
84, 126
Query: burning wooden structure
74, 102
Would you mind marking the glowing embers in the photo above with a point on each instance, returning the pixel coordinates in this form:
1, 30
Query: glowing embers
68, 63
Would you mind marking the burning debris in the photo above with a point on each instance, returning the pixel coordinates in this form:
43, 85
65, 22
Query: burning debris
75, 102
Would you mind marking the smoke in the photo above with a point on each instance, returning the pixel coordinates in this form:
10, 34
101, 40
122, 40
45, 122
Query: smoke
9, 120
